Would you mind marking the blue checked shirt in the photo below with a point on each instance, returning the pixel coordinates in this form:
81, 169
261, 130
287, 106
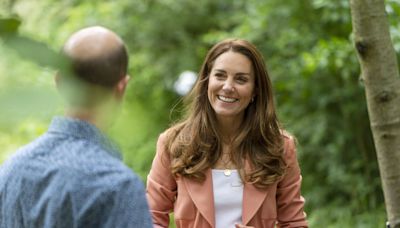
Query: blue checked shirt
72, 176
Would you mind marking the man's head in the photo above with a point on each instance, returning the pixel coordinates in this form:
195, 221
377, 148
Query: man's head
94, 81
98, 62
97, 55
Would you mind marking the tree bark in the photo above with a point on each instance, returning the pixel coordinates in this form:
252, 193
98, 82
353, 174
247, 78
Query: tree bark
381, 78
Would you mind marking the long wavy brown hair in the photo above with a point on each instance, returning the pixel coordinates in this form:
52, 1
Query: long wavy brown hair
195, 144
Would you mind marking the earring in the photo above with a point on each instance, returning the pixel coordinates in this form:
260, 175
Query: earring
252, 99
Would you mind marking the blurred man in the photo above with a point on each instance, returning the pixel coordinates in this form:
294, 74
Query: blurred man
72, 176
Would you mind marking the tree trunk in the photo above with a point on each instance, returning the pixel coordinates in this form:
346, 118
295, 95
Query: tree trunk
382, 86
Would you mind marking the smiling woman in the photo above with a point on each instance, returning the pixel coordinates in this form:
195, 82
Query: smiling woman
228, 162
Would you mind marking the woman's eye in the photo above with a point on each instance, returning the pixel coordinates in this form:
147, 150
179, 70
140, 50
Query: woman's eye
242, 80
219, 76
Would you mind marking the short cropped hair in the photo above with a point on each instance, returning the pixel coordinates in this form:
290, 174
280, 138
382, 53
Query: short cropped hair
104, 70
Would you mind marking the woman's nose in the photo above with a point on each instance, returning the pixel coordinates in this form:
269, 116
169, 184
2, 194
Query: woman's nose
228, 86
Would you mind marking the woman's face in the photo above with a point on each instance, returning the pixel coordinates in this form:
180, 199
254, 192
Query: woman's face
231, 85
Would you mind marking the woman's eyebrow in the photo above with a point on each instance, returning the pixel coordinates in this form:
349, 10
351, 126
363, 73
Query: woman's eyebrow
239, 73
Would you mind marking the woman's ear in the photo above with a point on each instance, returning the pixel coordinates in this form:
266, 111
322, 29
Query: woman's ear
252, 98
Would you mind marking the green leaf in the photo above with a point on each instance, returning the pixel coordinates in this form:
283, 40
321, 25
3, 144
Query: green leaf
9, 26
34, 51
38, 53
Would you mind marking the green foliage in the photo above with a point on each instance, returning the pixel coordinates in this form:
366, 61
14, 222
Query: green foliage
308, 49
335, 216
36, 52
9, 26
26, 91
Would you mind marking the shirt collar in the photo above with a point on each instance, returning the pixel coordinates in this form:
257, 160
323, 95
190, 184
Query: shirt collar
82, 129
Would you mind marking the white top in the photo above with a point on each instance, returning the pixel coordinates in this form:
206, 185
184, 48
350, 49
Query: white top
228, 198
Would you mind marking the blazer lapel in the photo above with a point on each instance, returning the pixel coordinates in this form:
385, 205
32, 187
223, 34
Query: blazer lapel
253, 198
202, 196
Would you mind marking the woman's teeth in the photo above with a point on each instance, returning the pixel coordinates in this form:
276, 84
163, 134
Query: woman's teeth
226, 99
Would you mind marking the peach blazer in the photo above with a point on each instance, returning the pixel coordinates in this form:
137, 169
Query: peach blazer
192, 202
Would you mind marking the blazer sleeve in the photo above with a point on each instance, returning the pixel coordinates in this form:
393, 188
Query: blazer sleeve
161, 186
290, 203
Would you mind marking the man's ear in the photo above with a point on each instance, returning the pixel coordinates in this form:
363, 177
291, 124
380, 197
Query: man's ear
121, 86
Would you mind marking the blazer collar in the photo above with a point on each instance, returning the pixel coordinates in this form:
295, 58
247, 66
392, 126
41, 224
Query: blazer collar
203, 196
253, 198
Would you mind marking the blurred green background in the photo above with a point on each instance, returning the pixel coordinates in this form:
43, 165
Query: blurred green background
308, 48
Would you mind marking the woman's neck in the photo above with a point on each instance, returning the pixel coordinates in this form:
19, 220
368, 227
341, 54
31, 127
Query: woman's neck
228, 128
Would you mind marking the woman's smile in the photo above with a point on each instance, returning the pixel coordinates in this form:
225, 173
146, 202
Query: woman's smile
227, 99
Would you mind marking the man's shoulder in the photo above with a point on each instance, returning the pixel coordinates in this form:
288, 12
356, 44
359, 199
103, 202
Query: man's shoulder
21, 156
96, 167
101, 180
83, 160
79, 179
